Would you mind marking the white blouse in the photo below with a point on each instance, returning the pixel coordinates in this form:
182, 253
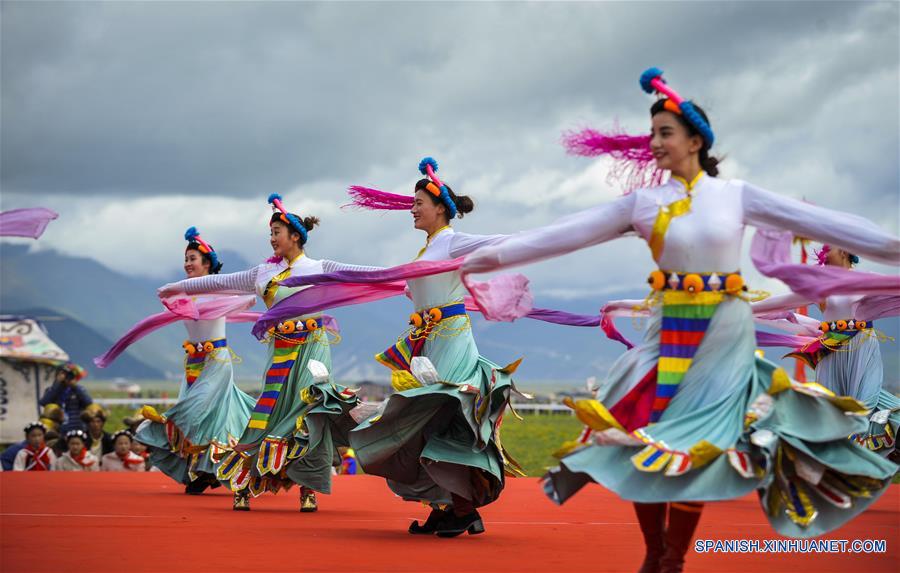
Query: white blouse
256, 279
445, 288
706, 239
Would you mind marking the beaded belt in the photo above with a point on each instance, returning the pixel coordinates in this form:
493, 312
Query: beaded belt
845, 325
292, 326
733, 283
435, 315
204, 347
398, 356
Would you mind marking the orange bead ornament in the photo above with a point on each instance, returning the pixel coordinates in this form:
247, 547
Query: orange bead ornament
657, 280
692, 283
734, 283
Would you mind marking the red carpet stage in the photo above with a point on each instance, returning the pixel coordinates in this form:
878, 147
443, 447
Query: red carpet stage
113, 522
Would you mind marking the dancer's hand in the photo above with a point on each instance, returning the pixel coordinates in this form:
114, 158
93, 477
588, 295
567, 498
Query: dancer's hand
169, 289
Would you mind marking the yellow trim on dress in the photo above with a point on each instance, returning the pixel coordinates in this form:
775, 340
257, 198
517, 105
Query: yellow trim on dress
428, 241
668, 212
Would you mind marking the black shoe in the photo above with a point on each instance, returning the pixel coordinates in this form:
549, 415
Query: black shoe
430, 525
196, 487
454, 525
241, 502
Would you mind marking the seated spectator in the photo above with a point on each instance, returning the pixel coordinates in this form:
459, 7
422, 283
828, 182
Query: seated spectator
8, 457
77, 458
71, 397
122, 459
36, 456
53, 417
99, 441
141, 450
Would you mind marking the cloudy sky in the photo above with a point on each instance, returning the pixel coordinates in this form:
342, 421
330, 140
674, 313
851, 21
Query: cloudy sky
137, 120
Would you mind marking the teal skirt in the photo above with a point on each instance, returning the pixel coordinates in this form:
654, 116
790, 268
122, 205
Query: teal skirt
211, 411
431, 441
736, 424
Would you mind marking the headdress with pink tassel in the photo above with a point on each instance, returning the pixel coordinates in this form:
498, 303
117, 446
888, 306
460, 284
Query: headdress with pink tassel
633, 160
373, 199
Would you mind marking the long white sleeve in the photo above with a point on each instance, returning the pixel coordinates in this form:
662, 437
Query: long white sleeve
232, 283
568, 234
329, 266
780, 303
461, 244
850, 232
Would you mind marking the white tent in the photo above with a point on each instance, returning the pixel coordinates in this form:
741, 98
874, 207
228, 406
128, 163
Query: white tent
28, 361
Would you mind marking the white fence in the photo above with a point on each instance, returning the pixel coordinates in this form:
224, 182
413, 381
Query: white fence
520, 407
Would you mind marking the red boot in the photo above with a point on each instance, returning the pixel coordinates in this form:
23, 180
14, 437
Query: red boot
652, 519
683, 519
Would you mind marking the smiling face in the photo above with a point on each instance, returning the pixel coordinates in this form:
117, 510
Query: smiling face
283, 239
194, 264
673, 147
428, 215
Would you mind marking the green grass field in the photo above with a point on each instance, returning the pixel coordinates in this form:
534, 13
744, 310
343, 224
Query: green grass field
532, 440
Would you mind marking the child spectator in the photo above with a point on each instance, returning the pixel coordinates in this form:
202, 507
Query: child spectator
66, 392
122, 459
141, 450
35, 456
77, 458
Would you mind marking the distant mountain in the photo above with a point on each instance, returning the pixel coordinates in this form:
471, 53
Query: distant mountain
82, 343
106, 303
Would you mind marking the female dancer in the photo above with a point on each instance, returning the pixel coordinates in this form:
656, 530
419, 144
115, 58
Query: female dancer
694, 390
300, 418
211, 410
846, 354
436, 439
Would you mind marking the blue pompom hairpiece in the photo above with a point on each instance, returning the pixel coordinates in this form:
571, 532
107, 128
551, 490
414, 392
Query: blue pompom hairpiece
652, 81
428, 167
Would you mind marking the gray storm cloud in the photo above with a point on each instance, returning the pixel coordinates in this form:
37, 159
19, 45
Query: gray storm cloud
194, 112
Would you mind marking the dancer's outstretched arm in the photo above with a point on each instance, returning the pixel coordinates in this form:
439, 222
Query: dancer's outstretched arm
779, 303
852, 233
571, 233
243, 282
463, 243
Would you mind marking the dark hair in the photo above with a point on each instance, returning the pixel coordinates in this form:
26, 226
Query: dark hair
308, 223
464, 203
708, 163
213, 268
